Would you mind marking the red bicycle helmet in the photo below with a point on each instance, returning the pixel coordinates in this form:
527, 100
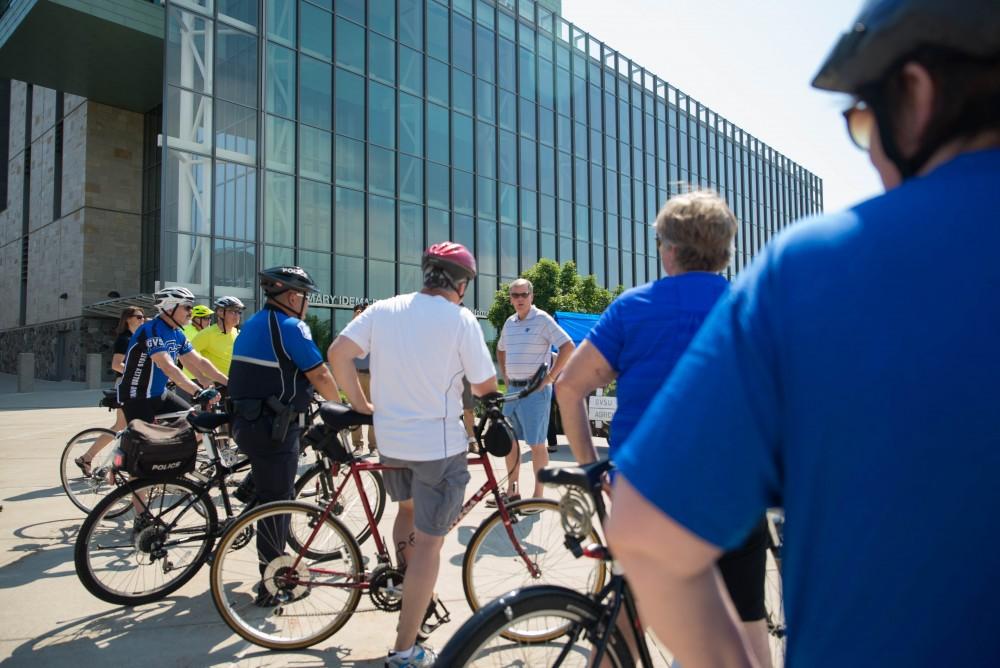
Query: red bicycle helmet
450, 261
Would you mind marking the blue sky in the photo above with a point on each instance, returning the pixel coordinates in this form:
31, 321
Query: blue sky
750, 61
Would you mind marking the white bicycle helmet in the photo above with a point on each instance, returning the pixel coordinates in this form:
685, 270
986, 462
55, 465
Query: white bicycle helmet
169, 299
228, 302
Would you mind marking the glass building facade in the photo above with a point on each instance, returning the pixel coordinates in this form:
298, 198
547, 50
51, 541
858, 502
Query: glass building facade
345, 135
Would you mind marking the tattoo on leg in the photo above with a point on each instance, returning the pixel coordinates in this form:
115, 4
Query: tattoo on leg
400, 557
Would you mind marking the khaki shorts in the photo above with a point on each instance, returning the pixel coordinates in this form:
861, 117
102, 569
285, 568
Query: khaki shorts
437, 488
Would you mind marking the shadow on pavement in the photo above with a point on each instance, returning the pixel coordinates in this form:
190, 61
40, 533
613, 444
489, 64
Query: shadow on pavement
38, 494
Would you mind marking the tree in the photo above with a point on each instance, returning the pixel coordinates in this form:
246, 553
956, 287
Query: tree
556, 288
322, 331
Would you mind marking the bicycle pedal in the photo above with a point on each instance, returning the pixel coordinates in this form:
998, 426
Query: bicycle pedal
436, 615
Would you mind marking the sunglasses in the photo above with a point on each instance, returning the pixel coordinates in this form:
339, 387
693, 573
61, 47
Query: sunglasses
138, 316
860, 121
519, 295
188, 307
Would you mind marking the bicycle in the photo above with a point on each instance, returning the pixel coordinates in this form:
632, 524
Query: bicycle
177, 523
317, 588
773, 598
573, 629
87, 490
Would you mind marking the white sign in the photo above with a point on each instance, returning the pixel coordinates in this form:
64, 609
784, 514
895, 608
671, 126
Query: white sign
346, 301
602, 408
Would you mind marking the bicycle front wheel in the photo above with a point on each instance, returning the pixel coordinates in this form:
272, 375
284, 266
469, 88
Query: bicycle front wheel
483, 639
276, 596
497, 559
318, 484
86, 491
144, 541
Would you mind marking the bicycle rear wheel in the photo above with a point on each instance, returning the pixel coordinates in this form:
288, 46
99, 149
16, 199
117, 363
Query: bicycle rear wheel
86, 491
129, 558
310, 598
492, 565
318, 484
483, 639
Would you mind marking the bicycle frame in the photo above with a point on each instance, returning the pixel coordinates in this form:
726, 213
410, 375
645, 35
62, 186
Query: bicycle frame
383, 557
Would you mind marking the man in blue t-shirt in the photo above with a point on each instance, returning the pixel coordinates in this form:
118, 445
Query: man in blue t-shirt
850, 376
638, 341
275, 367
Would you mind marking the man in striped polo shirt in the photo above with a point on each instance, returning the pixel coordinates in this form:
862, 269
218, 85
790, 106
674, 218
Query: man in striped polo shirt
526, 342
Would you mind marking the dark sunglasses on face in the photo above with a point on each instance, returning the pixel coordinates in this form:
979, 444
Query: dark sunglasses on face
860, 124
138, 316
519, 295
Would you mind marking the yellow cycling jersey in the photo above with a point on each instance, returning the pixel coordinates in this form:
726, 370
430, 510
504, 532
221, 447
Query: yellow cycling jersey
216, 346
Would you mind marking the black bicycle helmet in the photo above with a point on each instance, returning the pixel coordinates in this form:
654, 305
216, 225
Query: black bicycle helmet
276, 280
888, 30
446, 264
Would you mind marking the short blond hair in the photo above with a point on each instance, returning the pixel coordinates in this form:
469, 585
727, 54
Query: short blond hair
702, 228
522, 282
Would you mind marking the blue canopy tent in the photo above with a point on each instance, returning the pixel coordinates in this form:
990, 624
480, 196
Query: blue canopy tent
577, 325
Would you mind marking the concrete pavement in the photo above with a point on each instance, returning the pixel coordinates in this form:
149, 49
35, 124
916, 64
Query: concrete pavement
47, 618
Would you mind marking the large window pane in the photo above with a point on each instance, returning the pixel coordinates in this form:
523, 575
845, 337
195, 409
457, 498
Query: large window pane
352, 9
187, 32
349, 276
438, 226
381, 57
411, 232
186, 261
235, 200
350, 104
529, 175
189, 120
461, 89
462, 191
529, 248
411, 124
315, 96
508, 250
461, 45
486, 254
437, 81
485, 102
507, 117
382, 16
315, 31
508, 203
234, 265
485, 58
465, 231
279, 209
411, 178
411, 70
381, 279
462, 141
508, 157
486, 198
381, 171
381, 115
529, 209
276, 255
187, 206
350, 162
526, 71
381, 228
507, 66
437, 25
486, 150
235, 130
315, 221
438, 133
410, 278
281, 21
350, 223
279, 95
438, 185
236, 66
411, 23
315, 153
350, 45
318, 266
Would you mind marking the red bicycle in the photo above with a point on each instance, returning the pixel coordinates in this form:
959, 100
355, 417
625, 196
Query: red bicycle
318, 578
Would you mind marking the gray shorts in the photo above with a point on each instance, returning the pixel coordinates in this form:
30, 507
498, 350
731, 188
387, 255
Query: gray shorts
437, 488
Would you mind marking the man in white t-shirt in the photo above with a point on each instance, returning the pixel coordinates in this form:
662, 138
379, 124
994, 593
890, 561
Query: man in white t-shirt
421, 345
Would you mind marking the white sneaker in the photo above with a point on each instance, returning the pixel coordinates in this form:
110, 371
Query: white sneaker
422, 657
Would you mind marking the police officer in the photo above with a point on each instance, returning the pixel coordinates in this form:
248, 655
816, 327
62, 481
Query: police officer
275, 367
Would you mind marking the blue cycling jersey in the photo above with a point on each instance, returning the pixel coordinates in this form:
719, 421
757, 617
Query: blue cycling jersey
270, 358
142, 379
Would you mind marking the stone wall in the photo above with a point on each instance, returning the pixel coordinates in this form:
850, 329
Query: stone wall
77, 336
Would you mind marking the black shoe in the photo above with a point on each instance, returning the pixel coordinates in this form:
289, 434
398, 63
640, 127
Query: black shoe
553, 448
265, 599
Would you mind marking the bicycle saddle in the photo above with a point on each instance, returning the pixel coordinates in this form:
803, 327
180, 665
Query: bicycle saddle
207, 421
586, 477
341, 416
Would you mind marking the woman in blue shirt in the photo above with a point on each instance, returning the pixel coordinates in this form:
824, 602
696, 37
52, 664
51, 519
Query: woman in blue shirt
639, 339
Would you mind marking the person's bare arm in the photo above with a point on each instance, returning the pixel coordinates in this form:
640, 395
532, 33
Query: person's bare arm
562, 359
501, 363
341, 355
118, 363
680, 593
323, 382
202, 369
174, 373
586, 371
484, 388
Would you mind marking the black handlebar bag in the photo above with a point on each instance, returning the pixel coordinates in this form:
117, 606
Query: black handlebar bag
159, 451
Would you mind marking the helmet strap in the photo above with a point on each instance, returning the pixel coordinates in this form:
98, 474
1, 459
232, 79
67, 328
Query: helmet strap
171, 316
